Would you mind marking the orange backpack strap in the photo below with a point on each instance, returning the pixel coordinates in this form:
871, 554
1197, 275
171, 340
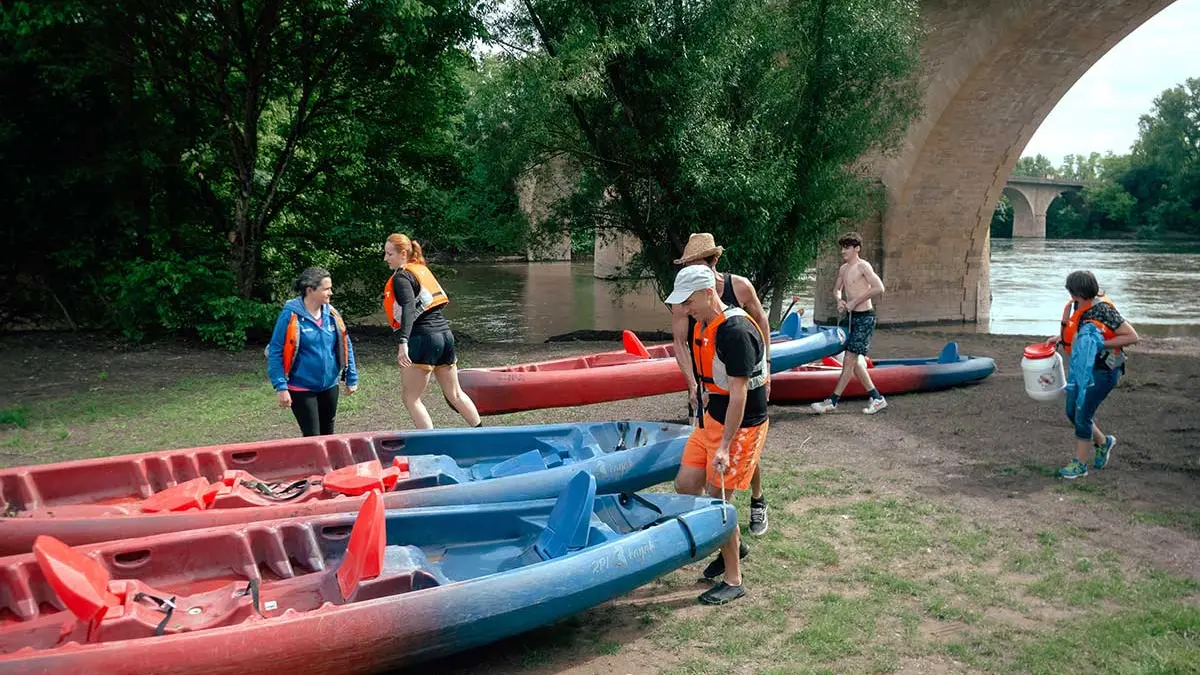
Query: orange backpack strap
291, 344
343, 342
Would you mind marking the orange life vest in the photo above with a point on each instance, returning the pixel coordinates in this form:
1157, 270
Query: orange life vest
709, 367
1072, 316
431, 294
291, 343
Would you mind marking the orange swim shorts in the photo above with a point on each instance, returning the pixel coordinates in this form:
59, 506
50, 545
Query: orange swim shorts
743, 454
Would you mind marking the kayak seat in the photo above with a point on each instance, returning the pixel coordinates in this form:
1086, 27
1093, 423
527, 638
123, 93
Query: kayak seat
570, 519
364, 477
196, 494
126, 608
79, 581
365, 550
949, 353
405, 568
790, 327
519, 464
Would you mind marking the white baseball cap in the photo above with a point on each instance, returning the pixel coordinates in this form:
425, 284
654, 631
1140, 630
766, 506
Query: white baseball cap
689, 280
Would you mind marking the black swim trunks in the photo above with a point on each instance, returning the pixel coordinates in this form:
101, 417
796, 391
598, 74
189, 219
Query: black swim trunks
862, 328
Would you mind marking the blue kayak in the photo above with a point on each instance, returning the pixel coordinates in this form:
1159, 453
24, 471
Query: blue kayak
342, 593
794, 345
152, 493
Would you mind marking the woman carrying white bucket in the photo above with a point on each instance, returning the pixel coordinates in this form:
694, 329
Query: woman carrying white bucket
1093, 336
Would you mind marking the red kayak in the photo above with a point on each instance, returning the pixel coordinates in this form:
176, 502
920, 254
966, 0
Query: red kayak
616, 376
891, 376
340, 595
129, 496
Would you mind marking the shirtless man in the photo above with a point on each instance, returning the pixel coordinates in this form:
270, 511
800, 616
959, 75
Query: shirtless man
860, 282
734, 291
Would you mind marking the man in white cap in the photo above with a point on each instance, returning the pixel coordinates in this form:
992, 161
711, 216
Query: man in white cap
734, 291
722, 453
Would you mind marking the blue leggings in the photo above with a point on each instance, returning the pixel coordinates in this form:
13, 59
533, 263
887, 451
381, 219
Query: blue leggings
1103, 382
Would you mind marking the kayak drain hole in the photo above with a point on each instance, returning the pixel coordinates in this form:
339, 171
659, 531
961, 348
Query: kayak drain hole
195, 610
131, 558
244, 457
336, 531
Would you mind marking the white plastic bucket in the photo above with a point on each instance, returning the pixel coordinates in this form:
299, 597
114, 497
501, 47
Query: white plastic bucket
1042, 367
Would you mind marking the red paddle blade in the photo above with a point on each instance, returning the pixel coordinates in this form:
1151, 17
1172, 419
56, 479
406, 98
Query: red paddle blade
633, 345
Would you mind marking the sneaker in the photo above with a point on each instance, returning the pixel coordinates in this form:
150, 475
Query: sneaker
875, 406
1103, 453
1076, 469
717, 567
721, 594
758, 516
824, 406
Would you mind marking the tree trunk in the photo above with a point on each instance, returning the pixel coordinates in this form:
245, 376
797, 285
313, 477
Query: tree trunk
245, 247
776, 304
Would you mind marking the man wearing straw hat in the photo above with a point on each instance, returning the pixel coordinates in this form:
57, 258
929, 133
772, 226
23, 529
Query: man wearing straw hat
722, 453
733, 291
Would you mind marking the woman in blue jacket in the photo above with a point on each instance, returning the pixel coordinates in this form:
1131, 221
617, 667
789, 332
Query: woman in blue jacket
310, 352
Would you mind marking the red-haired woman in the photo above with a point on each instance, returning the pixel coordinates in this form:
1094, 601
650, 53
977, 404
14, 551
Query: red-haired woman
413, 300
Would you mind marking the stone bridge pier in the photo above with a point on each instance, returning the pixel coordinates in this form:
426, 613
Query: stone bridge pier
1030, 199
993, 70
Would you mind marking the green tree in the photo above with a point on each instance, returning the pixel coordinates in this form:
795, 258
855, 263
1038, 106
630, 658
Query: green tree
1164, 175
746, 118
1038, 166
173, 164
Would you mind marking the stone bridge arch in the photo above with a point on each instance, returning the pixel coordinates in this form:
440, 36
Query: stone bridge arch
993, 70
1031, 199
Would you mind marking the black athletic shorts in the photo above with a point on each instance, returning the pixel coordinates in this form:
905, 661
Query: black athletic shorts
432, 350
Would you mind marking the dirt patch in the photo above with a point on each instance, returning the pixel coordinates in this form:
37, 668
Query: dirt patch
985, 451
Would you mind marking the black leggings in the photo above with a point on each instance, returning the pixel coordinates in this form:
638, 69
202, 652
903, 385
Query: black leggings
315, 410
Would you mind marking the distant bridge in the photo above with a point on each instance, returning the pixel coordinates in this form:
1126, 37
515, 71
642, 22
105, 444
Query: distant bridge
1030, 198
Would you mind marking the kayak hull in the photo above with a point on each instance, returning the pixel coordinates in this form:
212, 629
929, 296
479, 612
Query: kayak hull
68, 500
891, 376
469, 599
616, 376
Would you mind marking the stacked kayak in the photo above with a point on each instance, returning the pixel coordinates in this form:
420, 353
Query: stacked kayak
340, 594
616, 376
891, 376
134, 496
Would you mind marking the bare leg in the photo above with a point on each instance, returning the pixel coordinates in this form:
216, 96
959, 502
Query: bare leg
1083, 450
847, 373
458, 399
414, 381
860, 370
1098, 436
729, 550
690, 481
756, 490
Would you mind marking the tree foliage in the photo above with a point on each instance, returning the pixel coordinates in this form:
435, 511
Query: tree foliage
745, 118
172, 164
1151, 193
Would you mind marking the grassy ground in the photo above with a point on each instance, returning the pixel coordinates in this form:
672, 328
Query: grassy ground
859, 573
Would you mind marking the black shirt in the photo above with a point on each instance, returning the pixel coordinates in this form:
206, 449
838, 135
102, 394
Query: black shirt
405, 287
739, 346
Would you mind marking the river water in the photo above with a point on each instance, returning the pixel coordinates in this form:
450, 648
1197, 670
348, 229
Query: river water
1154, 285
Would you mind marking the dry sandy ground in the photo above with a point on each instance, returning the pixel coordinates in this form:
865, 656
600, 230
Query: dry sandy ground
962, 447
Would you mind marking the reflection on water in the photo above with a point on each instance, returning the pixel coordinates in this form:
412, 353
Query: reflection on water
528, 302
1152, 283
